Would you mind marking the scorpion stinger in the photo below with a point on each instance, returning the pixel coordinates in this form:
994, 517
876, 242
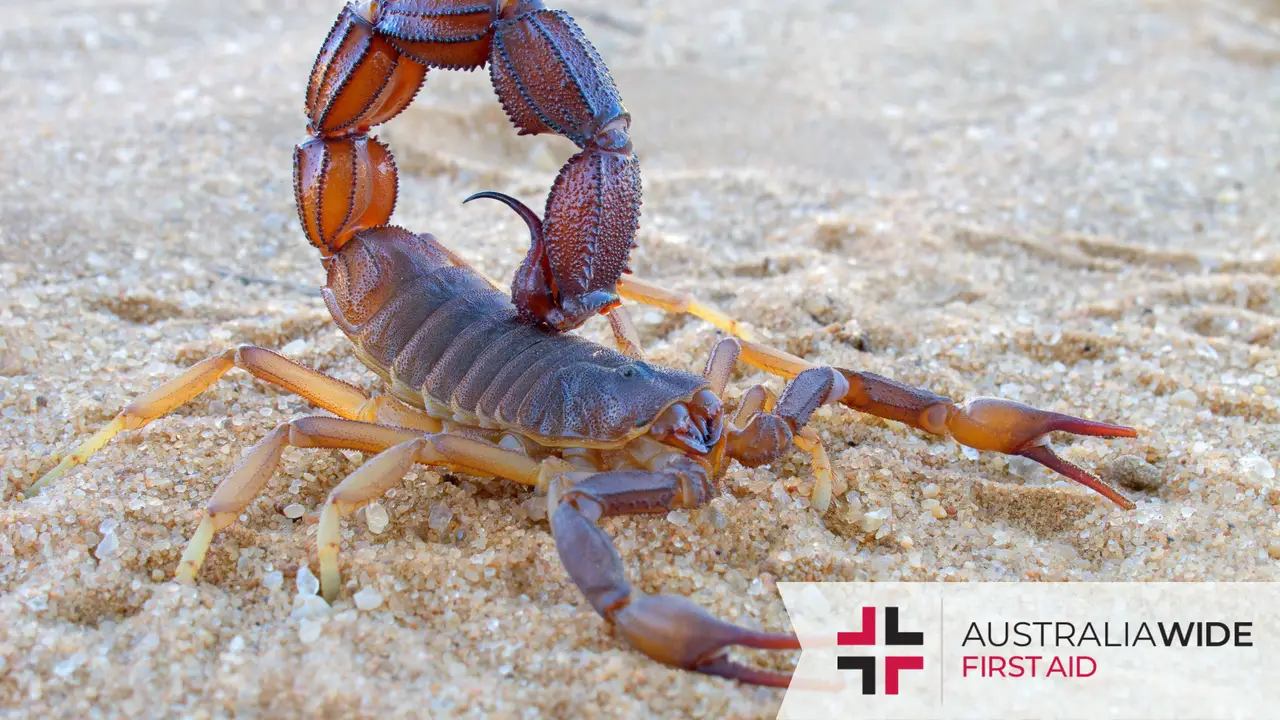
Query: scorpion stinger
533, 288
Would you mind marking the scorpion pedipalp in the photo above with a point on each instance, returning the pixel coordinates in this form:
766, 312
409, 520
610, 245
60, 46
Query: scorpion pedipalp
671, 629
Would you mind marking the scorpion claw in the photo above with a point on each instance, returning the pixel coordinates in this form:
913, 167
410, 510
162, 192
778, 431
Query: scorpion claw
1045, 455
676, 631
983, 423
1010, 427
1017, 429
721, 666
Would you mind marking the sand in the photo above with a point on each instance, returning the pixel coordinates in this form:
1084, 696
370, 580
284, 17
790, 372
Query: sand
1068, 204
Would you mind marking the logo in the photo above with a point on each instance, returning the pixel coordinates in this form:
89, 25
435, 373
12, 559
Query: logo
894, 636
1042, 651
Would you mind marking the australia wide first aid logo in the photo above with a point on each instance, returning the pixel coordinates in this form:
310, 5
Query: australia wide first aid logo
1034, 650
894, 637
999, 644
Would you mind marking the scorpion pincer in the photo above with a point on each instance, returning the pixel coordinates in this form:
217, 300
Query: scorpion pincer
487, 383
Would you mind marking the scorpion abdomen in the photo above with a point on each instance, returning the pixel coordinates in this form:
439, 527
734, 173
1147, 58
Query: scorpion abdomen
447, 341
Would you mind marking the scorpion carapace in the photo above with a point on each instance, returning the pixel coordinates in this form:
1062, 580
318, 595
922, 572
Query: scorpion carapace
485, 386
548, 78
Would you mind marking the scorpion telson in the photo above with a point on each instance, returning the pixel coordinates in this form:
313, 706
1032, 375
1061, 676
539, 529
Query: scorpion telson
486, 383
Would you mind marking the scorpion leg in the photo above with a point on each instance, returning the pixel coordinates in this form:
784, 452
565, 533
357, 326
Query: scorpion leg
982, 423
386, 469
393, 458
668, 628
244, 482
643, 291
321, 390
625, 334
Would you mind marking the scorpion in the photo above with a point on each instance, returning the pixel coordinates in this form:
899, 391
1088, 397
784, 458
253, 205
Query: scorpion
493, 384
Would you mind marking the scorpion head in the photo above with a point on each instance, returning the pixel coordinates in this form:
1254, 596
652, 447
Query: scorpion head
693, 425
609, 398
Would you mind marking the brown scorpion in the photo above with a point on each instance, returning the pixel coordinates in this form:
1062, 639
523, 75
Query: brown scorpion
491, 384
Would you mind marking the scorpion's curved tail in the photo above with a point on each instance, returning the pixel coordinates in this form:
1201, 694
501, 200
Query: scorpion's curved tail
548, 78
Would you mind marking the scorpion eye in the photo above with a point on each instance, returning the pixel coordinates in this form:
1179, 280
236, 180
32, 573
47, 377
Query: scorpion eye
635, 370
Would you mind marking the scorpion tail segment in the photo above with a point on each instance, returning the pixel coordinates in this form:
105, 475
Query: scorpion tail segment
550, 79
359, 79
446, 34
342, 186
1002, 426
592, 216
668, 628
533, 289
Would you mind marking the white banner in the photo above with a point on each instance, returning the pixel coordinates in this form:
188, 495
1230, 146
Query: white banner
1035, 650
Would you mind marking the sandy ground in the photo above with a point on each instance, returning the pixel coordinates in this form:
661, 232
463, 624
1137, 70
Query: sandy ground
1071, 204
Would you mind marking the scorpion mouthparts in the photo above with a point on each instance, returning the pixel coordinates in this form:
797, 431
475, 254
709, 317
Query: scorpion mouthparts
694, 425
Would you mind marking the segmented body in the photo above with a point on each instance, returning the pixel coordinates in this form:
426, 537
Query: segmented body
446, 341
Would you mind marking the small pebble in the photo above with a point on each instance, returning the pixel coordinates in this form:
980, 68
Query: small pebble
1274, 550
375, 516
273, 580
294, 347
367, 599
678, 517
70, 665
711, 517
1186, 397
108, 547
536, 507
1256, 467
1132, 472
930, 490
308, 584
439, 517
872, 521
309, 606
108, 526
309, 630
294, 511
